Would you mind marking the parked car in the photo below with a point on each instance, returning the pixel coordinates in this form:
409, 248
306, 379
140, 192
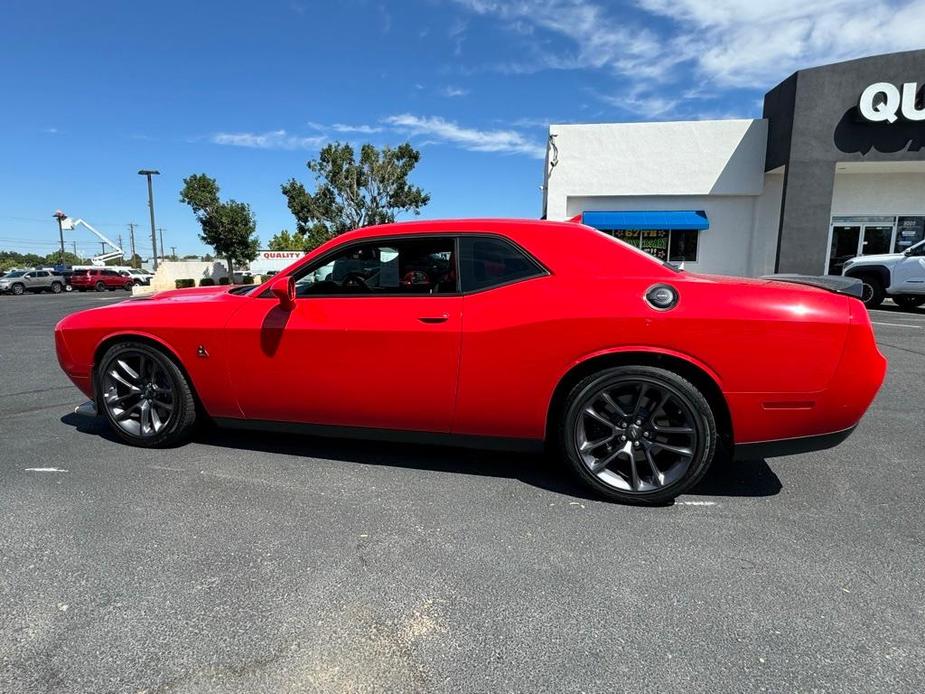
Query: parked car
138, 277
22, 281
100, 280
494, 333
901, 276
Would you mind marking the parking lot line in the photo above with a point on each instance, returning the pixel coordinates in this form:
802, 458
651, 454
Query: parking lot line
898, 325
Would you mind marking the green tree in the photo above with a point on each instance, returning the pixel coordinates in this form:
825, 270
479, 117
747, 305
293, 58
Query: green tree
69, 259
285, 241
229, 227
351, 193
135, 261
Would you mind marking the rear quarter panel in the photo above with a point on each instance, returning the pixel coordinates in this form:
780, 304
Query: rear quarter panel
779, 344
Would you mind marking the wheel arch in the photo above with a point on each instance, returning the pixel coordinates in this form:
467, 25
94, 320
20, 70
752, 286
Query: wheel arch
881, 272
697, 373
151, 340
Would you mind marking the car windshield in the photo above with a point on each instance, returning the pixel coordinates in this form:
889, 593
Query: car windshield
17, 273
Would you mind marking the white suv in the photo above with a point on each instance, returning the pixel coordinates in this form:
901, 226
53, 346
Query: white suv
901, 276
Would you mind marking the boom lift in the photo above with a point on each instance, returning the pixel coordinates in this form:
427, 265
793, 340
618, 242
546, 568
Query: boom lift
68, 224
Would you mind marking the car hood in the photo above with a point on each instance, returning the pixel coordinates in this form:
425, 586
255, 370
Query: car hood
878, 258
182, 295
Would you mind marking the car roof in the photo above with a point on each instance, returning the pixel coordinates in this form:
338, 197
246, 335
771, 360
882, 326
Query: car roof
428, 226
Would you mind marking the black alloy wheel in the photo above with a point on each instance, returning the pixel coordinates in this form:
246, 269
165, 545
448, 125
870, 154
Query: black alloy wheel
637, 434
144, 395
872, 293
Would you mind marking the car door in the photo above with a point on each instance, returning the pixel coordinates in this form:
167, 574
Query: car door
32, 280
373, 340
909, 273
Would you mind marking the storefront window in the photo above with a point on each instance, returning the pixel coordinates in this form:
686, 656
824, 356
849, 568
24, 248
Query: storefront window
675, 245
683, 245
909, 231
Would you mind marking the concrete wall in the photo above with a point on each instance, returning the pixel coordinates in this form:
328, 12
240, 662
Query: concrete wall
689, 158
168, 272
879, 194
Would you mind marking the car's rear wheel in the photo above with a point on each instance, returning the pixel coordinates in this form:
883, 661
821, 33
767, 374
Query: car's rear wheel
18, 289
908, 301
56, 287
872, 293
638, 434
100, 287
128, 286
145, 396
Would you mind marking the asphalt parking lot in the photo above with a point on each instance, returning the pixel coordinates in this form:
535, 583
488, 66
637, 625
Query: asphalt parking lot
258, 562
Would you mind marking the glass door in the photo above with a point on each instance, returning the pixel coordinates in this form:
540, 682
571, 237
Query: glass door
877, 239
844, 246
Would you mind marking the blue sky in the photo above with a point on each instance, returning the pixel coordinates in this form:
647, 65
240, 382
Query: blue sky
248, 91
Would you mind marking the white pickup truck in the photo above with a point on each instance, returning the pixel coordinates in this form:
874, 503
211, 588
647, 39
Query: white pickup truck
901, 276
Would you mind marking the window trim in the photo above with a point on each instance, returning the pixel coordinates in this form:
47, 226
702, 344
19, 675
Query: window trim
457, 236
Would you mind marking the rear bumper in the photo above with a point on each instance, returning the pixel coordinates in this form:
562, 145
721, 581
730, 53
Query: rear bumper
801, 444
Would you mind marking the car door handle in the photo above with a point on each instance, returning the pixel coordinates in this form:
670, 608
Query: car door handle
442, 318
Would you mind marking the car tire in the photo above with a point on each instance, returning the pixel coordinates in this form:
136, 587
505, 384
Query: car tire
18, 289
100, 287
124, 391
638, 453
56, 288
128, 286
908, 301
872, 293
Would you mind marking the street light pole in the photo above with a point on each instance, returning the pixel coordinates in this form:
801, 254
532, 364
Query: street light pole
148, 173
59, 215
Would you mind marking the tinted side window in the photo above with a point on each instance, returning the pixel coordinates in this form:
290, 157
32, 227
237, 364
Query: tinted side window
488, 262
393, 267
110, 273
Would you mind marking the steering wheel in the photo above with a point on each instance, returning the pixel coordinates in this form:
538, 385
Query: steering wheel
355, 280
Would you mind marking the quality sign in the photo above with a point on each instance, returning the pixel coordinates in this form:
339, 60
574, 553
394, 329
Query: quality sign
883, 102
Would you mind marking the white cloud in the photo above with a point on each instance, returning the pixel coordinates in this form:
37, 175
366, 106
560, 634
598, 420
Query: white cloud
755, 44
275, 139
362, 128
750, 44
441, 130
452, 92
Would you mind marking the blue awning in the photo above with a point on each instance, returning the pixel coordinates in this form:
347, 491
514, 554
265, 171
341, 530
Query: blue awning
656, 219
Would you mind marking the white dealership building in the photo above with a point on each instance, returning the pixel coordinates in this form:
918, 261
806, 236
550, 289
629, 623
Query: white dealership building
835, 168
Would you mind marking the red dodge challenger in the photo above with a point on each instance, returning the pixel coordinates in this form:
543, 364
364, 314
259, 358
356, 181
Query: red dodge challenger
494, 333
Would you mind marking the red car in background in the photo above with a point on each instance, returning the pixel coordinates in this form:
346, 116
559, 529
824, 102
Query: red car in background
494, 333
100, 280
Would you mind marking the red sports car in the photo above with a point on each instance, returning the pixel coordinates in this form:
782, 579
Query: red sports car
494, 333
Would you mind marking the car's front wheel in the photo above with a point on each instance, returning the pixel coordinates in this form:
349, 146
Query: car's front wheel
18, 289
908, 301
145, 396
872, 293
638, 434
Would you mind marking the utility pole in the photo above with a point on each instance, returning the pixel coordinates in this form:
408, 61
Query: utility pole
173, 252
131, 238
75, 247
60, 216
120, 245
102, 247
148, 173
161, 232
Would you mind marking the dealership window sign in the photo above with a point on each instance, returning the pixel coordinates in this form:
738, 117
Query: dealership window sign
883, 102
